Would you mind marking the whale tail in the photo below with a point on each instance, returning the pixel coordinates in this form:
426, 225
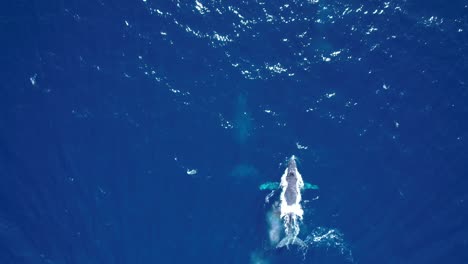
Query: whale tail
291, 240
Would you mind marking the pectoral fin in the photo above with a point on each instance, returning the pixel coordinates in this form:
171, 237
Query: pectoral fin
308, 186
269, 186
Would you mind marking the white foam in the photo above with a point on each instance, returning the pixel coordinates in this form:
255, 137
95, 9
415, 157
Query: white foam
191, 172
33, 79
293, 213
299, 146
322, 237
294, 209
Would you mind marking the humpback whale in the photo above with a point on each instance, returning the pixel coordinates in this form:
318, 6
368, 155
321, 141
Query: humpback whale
291, 212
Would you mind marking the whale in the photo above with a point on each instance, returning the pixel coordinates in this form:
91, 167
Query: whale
291, 214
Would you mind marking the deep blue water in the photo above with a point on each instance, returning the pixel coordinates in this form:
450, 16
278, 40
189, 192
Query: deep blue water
139, 131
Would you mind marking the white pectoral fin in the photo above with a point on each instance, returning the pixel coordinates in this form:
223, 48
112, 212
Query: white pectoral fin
308, 186
269, 186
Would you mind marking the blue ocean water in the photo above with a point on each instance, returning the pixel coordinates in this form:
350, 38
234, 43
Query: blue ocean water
139, 131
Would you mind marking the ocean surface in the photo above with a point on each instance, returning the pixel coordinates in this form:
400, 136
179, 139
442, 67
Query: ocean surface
140, 131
